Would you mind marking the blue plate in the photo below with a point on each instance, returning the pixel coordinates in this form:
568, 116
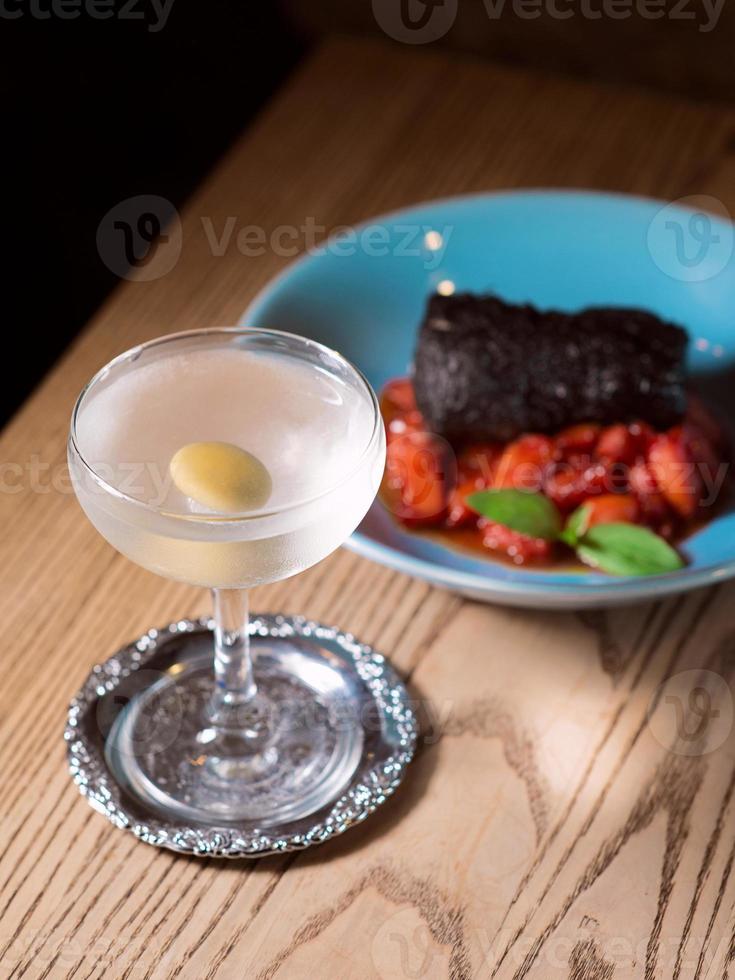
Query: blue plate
364, 294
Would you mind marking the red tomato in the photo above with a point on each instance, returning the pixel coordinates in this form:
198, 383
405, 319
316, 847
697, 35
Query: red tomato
478, 463
518, 547
707, 446
706, 456
420, 472
624, 443
578, 438
398, 408
399, 425
617, 445
627, 473
612, 508
571, 481
643, 435
524, 462
397, 398
459, 514
654, 509
674, 471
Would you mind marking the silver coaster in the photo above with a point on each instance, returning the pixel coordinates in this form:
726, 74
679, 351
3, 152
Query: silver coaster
389, 732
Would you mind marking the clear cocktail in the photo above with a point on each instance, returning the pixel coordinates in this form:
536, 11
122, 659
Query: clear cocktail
228, 458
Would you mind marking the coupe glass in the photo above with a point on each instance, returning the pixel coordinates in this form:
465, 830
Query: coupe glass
223, 734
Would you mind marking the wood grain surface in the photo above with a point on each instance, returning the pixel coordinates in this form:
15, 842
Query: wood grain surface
571, 811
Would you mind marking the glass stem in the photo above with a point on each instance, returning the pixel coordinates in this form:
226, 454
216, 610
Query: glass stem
233, 667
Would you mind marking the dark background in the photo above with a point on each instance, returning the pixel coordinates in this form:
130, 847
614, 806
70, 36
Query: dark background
95, 111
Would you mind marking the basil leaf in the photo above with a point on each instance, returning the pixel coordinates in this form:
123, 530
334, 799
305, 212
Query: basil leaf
627, 549
531, 514
576, 526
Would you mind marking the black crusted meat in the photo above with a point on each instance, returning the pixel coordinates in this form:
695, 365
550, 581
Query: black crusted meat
489, 370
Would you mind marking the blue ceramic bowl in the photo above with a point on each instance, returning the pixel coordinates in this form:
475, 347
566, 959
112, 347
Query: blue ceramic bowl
364, 294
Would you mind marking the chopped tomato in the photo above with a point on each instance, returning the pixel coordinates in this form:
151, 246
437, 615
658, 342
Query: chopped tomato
399, 425
524, 462
578, 438
459, 514
397, 398
674, 471
623, 473
569, 482
703, 452
612, 508
624, 443
398, 408
420, 472
518, 547
654, 509
643, 435
617, 444
478, 463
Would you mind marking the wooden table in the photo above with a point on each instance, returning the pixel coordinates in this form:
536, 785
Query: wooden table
551, 826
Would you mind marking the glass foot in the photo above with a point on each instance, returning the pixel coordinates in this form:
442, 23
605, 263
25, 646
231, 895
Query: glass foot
294, 749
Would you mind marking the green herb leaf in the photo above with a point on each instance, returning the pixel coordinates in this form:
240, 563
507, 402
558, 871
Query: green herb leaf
532, 514
576, 526
627, 549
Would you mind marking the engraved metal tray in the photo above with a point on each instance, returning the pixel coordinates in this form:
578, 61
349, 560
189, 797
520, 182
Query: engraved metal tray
389, 745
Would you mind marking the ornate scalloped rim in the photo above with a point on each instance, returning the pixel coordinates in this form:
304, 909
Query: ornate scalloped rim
370, 788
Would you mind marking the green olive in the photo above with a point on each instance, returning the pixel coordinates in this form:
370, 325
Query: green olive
221, 476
